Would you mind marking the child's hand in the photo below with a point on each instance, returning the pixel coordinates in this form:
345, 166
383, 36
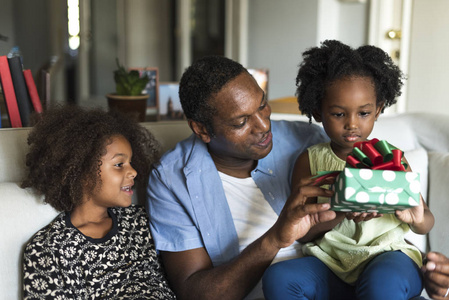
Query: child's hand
359, 217
412, 216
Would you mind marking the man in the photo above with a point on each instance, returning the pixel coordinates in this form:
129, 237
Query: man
219, 203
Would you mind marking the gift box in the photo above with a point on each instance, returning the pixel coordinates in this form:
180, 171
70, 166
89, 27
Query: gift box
375, 180
382, 191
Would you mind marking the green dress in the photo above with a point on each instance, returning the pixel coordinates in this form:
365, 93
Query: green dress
349, 246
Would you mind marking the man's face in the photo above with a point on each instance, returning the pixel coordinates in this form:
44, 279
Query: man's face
242, 128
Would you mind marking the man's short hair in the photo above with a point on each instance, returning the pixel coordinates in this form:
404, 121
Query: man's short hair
201, 81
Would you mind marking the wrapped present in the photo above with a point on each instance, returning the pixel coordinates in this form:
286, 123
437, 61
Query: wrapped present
367, 190
374, 181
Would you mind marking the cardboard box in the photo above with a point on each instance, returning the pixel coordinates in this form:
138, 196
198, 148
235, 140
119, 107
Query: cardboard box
383, 191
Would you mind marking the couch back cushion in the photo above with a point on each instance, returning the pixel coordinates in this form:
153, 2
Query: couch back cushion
13, 148
13, 145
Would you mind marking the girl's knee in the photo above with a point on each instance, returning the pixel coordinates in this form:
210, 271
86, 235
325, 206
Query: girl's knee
274, 278
284, 280
392, 274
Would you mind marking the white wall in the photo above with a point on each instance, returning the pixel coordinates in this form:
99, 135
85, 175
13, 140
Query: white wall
280, 31
147, 35
35, 13
6, 26
429, 57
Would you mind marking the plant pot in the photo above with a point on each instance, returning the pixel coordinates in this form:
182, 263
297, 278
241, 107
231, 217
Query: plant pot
134, 106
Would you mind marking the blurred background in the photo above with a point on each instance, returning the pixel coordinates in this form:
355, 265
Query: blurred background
75, 43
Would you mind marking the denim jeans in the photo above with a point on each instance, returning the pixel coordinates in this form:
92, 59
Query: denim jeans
390, 275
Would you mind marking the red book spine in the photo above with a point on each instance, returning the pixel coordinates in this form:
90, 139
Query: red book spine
9, 94
32, 91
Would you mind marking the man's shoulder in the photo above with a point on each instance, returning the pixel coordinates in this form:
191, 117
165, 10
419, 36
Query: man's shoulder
181, 150
287, 126
298, 131
191, 152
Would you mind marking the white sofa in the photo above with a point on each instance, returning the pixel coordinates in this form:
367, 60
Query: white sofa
423, 137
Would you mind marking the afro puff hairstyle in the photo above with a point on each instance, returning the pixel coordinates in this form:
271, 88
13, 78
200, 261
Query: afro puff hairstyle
201, 81
333, 61
66, 147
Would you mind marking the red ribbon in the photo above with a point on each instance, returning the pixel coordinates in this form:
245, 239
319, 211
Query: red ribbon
376, 155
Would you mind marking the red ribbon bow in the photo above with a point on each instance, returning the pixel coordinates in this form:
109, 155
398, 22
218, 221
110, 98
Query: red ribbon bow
376, 155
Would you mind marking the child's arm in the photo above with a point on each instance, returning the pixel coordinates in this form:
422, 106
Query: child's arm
301, 170
419, 218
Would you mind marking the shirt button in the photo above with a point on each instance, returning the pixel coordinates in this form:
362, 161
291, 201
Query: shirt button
270, 171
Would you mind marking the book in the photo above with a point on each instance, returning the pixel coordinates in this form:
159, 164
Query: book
32, 91
20, 88
9, 94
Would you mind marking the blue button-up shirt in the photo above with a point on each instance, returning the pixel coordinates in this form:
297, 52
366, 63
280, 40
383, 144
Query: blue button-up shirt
186, 201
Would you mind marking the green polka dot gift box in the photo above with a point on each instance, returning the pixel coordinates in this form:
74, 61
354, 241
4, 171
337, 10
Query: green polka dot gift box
382, 191
374, 180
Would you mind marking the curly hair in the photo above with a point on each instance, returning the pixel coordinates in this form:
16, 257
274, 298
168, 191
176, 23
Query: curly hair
201, 81
333, 61
66, 147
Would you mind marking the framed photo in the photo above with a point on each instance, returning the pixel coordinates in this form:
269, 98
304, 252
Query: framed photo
152, 87
261, 76
170, 105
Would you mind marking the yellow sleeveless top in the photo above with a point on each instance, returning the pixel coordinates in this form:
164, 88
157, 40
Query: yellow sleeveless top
349, 246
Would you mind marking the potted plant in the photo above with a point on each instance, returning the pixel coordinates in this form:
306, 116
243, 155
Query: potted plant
129, 97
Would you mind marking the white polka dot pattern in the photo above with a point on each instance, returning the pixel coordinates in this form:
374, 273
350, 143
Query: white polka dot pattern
375, 190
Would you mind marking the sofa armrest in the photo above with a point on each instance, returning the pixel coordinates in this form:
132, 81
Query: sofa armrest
22, 215
439, 200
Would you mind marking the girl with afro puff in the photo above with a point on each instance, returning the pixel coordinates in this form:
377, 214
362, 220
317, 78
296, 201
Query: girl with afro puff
85, 163
356, 255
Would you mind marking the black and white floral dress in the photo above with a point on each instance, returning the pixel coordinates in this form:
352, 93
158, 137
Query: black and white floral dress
62, 263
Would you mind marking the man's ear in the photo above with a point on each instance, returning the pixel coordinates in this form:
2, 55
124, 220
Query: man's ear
317, 116
379, 109
199, 129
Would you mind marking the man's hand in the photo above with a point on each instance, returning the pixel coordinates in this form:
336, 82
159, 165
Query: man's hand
436, 275
298, 216
192, 275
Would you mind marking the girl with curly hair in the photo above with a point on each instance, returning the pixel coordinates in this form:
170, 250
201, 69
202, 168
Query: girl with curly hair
85, 163
356, 255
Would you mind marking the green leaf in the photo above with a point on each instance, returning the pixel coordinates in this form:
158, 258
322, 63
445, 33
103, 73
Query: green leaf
129, 83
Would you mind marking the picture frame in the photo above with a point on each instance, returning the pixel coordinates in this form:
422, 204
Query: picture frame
152, 89
261, 75
170, 108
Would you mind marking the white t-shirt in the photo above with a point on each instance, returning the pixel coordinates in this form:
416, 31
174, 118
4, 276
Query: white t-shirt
253, 216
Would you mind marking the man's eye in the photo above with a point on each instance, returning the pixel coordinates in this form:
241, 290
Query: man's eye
241, 124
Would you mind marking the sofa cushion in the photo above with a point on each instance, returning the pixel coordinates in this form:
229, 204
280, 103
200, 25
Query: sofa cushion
22, 215
396, 130
418, 160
